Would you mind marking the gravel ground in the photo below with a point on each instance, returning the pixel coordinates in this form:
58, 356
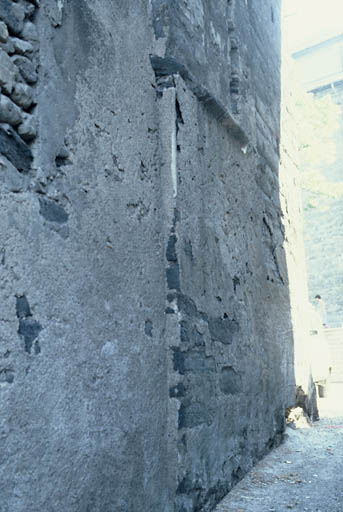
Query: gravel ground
304, 474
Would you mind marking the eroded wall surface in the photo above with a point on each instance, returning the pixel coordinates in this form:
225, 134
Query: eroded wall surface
83, 373
146, 340
228, 308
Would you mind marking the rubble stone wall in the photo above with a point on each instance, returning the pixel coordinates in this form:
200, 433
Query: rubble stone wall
19, 50
146, 354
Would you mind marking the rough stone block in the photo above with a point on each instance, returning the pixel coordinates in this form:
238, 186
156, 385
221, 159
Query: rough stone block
28, 128
198, 362
22, 307
7, 47
29, 329
3, 32
173, 278
11, 180
29, 32
8, 72
26, 68
230, 381
222, 329
171, 250
52, 211
13, 15
15, 149
29, 10
9, 112
21, 47
22, 95
193, 415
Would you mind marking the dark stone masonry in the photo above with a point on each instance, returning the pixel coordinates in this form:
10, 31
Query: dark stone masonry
19, 47
146, 251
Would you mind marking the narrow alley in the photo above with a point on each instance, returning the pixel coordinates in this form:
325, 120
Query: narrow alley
304, 474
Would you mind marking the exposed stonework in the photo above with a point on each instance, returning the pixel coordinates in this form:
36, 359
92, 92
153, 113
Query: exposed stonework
147, 355
18, 74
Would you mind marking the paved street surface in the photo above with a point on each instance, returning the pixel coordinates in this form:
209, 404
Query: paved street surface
304, 474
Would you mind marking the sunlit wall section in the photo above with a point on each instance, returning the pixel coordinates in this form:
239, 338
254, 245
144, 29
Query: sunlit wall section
320, 71
291, 203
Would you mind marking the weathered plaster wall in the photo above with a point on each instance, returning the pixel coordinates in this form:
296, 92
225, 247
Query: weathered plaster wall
229, 356
146, 340
228, 312
83, 373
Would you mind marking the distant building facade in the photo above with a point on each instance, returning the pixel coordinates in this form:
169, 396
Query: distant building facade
320, 68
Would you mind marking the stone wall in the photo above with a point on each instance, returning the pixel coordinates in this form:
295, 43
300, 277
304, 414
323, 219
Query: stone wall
146, 336
82, 358
19, 48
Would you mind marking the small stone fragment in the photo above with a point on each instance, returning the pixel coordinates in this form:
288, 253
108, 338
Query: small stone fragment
28, 128
9, 112
26, 67
3, 32
21, 47
22, 95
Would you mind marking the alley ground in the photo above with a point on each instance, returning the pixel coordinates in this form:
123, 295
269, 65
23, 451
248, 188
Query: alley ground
304, 474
